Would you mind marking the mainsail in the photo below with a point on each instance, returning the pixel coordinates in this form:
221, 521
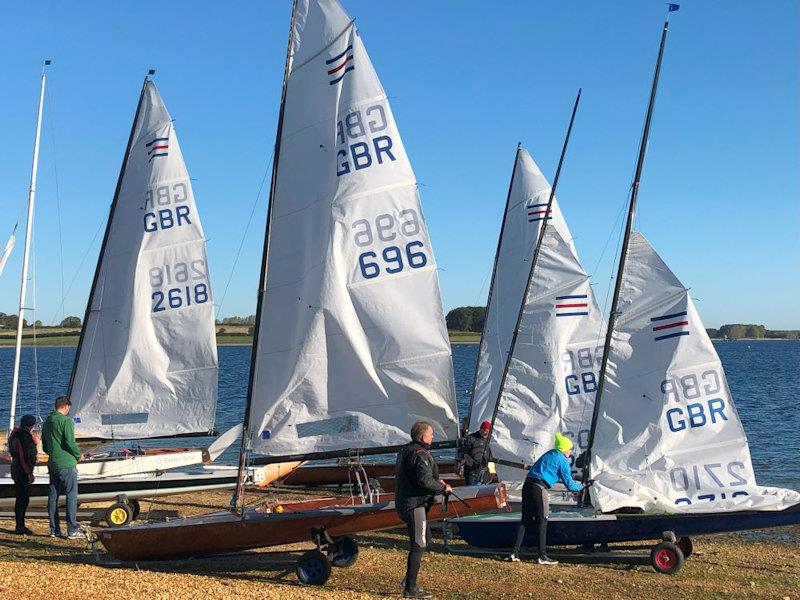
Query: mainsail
668, 437
352, 346
7, 252
526, 207
147, 358
552, 376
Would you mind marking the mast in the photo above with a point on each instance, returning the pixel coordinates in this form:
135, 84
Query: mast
106, 235
238, 498
534, 260
612, 317
26, 252
491, 286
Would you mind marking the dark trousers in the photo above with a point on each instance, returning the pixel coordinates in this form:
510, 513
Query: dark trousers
535, 505
418, 535
473, 476
63, 482
22, 487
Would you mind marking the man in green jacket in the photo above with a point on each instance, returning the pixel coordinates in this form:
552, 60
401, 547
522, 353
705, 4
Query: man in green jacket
58, 440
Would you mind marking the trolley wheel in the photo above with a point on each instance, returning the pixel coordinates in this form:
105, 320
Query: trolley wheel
119, 514
135, 507
344, 553
666, 558
686, 546
313, 568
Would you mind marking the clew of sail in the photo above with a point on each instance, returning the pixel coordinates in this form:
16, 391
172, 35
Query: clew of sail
668, 437
524, 215
552, 376
7, 252
352, 345
147, 360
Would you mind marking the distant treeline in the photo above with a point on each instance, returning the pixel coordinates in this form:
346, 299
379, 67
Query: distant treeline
249, 320
471, 318
739, 331
10, 322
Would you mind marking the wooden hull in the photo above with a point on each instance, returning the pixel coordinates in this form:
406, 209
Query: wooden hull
338, 474
226, 531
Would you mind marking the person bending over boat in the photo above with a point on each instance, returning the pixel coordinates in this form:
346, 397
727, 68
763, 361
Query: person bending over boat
417, 477
58, 440
551, 468
474, 453
22, 447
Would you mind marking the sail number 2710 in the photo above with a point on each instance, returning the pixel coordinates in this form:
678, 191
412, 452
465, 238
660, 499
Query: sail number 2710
400, 253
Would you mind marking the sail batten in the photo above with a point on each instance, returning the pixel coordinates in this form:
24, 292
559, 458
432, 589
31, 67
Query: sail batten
147, 359
351, 343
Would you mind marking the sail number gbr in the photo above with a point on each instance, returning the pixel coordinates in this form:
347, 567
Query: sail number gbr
175, 286
400, 254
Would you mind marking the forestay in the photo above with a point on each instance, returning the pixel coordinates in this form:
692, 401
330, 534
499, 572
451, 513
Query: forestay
668, 437
147, 363
525, 212
7, 252
552, 376
352, 344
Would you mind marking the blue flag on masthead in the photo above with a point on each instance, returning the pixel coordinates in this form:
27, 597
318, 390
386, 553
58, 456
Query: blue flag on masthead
673, 7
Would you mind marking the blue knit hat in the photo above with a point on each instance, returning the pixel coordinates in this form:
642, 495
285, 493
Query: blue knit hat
27, 421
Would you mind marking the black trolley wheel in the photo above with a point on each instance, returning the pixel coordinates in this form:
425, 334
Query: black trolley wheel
344, 552
135, 507
119, 514
313, 568
666, 558
686, 546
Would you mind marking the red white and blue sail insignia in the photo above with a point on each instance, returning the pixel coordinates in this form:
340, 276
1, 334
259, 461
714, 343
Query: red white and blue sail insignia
537, 211
669, 326
576, 305
340, 65
157, 147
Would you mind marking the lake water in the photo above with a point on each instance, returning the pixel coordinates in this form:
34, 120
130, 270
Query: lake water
763, 377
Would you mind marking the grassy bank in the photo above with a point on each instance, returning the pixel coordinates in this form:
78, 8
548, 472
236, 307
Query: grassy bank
722, 567
225, 337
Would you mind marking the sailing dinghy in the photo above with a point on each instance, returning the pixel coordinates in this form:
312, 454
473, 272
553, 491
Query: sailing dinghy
666, 448
350, 344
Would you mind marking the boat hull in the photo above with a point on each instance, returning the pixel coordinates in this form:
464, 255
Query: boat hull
499, 531
226, 531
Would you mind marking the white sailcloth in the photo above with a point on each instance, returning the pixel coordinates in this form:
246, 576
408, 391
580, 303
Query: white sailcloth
552, 377
522, 221
352, 345
7, 252
148, 361
668, 437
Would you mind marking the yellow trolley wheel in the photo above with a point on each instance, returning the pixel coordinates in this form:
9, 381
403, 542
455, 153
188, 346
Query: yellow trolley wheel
119, 514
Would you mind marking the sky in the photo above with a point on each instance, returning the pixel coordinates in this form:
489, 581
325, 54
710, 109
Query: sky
467, 80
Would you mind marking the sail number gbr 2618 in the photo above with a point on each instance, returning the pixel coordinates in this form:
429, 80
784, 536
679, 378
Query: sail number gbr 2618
181, 284
401, 253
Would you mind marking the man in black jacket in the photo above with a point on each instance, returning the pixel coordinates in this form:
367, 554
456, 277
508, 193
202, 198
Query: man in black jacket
22, 447
474, 453
417, 482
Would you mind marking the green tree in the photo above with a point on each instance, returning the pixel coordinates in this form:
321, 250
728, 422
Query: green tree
71, 322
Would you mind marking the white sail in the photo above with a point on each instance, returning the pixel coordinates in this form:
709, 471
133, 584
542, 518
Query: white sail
668, 436
7, 252
552, 377
147, 363
352, 343
525, 211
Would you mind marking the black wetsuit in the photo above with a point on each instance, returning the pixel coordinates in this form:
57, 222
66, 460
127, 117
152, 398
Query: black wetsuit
417, 482
22, 448
476, 454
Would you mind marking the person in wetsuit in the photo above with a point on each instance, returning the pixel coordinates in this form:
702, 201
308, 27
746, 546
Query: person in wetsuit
551, 468
22, 447
474, 453
417, 482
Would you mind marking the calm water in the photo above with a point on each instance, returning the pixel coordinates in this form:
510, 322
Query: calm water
763, 378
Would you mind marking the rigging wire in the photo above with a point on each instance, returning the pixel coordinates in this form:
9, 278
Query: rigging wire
267, 171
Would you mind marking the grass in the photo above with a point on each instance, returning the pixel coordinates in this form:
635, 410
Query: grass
722, 567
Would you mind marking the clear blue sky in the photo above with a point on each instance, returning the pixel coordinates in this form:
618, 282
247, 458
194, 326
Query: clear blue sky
468, 80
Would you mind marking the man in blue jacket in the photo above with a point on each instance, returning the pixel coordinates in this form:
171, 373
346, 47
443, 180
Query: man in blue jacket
551, 468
